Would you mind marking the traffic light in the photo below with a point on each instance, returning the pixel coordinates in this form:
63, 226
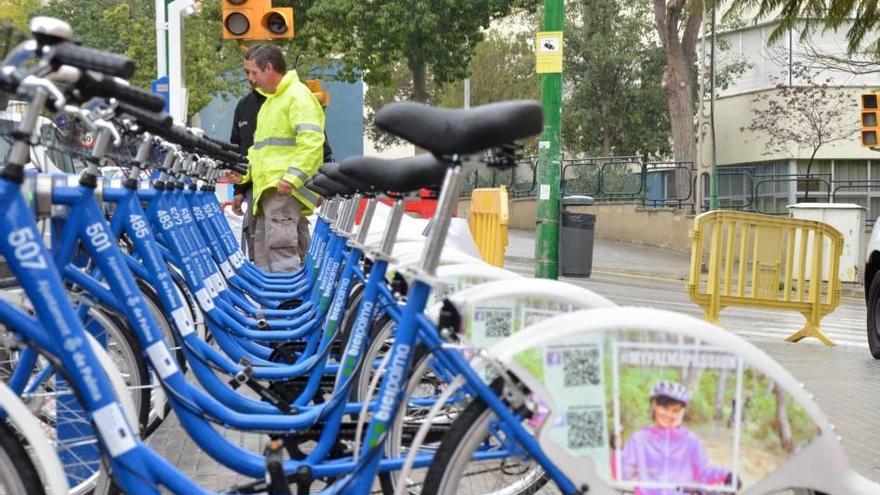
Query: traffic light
322, 96
870, 120
256, 20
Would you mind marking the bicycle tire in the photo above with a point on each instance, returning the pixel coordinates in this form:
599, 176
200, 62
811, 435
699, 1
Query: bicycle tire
396, 444
18, 474
354, 301
128, 346
47, 404
469, 431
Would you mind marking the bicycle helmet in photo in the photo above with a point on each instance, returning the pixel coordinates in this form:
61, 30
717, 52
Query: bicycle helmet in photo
672, 390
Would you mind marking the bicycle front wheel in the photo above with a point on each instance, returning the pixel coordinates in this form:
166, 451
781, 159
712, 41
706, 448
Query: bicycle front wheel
17, 471
455, 471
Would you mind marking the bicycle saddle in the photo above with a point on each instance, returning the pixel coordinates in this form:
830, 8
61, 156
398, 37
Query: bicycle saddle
445, 131
310, 184
331, 170
403, 175
333, 187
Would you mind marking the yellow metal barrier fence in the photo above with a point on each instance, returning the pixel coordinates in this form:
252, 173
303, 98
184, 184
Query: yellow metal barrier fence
488, 223
768, 262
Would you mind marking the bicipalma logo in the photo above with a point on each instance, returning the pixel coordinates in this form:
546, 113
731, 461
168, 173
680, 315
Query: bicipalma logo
357, 339
395, 379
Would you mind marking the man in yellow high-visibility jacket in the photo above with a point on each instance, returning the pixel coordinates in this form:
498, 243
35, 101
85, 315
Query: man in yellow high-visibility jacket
287, 151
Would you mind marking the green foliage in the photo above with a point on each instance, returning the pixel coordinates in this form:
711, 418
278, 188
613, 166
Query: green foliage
127, 27
503, 68
808, 16
437, 34
379, 95
16, 12
615, 105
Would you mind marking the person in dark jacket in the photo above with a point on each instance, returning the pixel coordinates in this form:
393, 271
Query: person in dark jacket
244, 122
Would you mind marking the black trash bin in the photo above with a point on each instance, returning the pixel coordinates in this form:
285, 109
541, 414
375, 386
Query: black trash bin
576, 238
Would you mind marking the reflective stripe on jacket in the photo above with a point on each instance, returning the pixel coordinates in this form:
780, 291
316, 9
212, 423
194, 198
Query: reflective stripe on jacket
288, 142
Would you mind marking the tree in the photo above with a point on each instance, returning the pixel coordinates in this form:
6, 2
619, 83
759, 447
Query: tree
16, 12
127, 27
806, 16
678, 26
430, 37
803, 116
615, 105
503, 68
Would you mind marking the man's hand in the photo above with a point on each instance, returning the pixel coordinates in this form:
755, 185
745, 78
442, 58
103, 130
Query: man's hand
284, 187
237, 200
234, 177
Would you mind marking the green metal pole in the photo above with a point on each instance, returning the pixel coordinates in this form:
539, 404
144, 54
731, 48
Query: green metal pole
547, 243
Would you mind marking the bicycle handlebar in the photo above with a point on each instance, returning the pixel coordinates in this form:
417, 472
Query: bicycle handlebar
160, 125
223, 144
97, 84
84, 58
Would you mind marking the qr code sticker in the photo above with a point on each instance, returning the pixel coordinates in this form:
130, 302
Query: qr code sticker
498, 322
530, 316
586, 428
442, 291
580, 366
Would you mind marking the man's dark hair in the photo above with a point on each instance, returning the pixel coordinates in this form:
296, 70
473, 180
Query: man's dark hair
266, 54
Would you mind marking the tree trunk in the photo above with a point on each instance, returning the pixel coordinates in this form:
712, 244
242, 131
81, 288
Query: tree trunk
809, 182
420, 82
678, 29
784, 426
606, 130
678, 87
606, 141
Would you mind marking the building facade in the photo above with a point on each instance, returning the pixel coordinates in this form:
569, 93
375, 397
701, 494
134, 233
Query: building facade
750, 176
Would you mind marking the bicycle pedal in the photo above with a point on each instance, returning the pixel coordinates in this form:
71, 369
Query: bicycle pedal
275, 477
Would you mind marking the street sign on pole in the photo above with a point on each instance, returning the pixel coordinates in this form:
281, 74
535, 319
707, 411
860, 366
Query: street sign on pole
160, 87
549, 65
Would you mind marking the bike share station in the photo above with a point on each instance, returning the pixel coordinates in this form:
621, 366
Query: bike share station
391, 360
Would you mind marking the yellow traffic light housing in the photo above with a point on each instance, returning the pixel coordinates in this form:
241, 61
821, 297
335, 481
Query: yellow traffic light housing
256, 20
322, 96
870, 120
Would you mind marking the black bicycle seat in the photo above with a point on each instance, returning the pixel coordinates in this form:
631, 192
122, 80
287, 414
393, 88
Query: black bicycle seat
328, 184
446, 131
332, 171
403, 175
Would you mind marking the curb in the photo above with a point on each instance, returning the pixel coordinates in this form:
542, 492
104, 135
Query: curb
847, 289
522, 260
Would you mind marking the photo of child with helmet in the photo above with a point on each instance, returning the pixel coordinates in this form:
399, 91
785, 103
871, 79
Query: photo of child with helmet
665, 453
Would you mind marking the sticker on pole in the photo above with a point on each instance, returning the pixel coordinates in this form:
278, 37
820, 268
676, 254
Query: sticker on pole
544, 192
549, 52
